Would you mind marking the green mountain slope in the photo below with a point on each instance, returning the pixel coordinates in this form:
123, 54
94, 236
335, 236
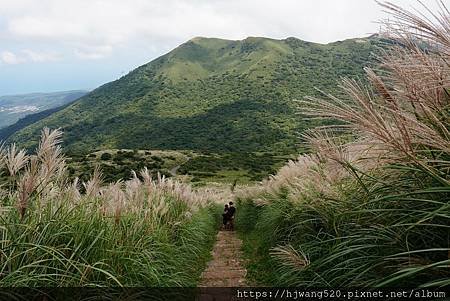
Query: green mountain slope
15, 107
210, 95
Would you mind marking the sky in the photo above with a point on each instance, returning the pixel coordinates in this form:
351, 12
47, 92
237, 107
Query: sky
57, 45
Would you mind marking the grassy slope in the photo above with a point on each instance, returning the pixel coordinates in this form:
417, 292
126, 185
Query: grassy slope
397, 239
198, 168
209, 94
229, 167
80, 247
119, 164
373, 212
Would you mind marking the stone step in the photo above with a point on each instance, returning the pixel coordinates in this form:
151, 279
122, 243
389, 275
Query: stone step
230, 254
227, 248
227, 237
230, 282
224, 274
222, 269
220, 263
228, 245
233, 250
228, 242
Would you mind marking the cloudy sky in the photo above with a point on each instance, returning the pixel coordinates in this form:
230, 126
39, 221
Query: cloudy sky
53, 45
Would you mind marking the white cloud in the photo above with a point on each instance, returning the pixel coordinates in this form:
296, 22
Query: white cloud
10, 58
27, 55
93, 29
39, 57
93, 53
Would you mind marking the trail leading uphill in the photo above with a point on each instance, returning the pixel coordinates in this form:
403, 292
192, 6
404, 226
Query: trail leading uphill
226, 268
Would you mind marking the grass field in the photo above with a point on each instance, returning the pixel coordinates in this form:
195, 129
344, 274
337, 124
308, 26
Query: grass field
146, 231
369, 205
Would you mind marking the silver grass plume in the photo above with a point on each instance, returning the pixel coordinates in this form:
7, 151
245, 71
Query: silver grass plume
93, 185
15, 159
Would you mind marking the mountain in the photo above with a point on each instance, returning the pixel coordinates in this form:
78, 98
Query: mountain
15, 107
210, 95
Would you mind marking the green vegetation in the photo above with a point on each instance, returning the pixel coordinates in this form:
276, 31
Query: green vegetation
210, 95
66, 246
369, 206
241, 167
137, 233
119, 164
199, 168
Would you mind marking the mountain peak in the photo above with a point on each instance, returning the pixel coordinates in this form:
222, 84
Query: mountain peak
197, 39
208, 94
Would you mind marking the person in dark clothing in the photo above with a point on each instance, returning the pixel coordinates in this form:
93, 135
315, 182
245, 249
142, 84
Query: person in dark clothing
225, 216
231, 213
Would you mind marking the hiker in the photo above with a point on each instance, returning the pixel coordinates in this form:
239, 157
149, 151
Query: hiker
231, 213
225, 216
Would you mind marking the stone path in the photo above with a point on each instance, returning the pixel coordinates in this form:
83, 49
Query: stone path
226, 269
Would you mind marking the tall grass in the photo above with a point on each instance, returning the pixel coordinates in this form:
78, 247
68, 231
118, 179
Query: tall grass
142, 232
370, 205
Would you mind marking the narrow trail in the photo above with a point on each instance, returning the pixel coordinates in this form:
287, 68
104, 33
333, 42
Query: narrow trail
226, 269
173, 170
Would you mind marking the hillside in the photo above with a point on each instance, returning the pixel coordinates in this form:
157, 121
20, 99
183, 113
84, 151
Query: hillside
209, 95
15, 107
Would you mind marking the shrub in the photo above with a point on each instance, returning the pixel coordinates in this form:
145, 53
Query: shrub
106, 156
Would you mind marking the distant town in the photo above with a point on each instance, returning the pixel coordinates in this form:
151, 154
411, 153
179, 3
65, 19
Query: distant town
19, 109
